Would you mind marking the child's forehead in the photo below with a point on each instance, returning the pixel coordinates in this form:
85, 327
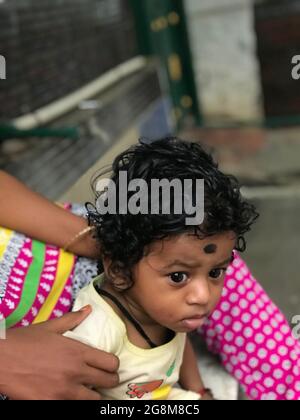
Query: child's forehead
190, 244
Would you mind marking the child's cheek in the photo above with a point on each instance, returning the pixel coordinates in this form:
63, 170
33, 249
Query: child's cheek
217, 296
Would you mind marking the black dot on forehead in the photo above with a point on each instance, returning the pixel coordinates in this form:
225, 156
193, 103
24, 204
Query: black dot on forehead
210, 249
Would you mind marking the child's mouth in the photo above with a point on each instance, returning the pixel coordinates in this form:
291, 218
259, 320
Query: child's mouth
194, 323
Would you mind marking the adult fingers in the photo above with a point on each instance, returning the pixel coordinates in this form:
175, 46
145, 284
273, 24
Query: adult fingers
83, 393
101, 360
67, 322
99, 378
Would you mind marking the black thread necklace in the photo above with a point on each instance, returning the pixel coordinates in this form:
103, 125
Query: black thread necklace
126, 314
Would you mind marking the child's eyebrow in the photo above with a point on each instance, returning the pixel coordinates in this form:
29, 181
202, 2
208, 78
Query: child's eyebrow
191, 265
229, 260
182, 263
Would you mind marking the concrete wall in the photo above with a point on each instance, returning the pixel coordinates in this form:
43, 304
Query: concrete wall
223, 44
278, 38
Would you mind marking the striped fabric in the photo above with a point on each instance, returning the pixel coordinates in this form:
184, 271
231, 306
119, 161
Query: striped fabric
35, 280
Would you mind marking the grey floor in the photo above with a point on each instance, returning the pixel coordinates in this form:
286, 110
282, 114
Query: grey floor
273, 247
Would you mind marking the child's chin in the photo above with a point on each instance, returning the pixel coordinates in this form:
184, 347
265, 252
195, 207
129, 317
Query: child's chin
183, 329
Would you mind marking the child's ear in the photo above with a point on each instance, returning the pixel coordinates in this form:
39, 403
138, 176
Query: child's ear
120, 285
120, 282
117, 279
106, 262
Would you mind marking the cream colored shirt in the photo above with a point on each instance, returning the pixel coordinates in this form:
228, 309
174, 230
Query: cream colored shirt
146, 374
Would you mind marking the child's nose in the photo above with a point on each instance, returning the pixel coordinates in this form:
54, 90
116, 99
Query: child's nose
199, 293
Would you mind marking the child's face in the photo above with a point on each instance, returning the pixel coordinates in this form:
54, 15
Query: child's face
179, 283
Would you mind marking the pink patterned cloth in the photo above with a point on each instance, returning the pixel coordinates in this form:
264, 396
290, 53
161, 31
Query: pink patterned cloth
253, 338
247, 331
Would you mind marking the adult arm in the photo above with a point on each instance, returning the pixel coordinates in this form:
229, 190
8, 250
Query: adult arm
38, 363
29, 213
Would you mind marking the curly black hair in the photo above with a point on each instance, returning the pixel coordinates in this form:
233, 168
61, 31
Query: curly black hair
125, 238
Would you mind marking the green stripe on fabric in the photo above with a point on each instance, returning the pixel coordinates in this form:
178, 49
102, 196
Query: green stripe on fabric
31, 284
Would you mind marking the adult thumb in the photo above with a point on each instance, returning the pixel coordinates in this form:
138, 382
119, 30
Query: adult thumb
69, 321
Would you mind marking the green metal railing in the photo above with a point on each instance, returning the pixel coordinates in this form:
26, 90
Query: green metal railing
9, 131
162, 32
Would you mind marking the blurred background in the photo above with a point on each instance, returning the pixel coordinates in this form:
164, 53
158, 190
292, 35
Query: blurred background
81, 80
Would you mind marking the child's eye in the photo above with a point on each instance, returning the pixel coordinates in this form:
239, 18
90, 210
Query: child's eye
178, 277
217, 273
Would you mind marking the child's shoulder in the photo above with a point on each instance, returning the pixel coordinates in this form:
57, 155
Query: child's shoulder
102, 328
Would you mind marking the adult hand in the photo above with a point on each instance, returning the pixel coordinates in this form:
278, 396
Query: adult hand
38, 363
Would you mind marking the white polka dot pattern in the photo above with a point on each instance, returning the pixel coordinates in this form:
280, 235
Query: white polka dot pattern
253, 338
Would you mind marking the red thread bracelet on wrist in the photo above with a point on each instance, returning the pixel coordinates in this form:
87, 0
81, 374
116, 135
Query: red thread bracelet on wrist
204, 391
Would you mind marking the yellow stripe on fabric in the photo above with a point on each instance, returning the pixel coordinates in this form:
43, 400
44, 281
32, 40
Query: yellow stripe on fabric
5, 237
64, 270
